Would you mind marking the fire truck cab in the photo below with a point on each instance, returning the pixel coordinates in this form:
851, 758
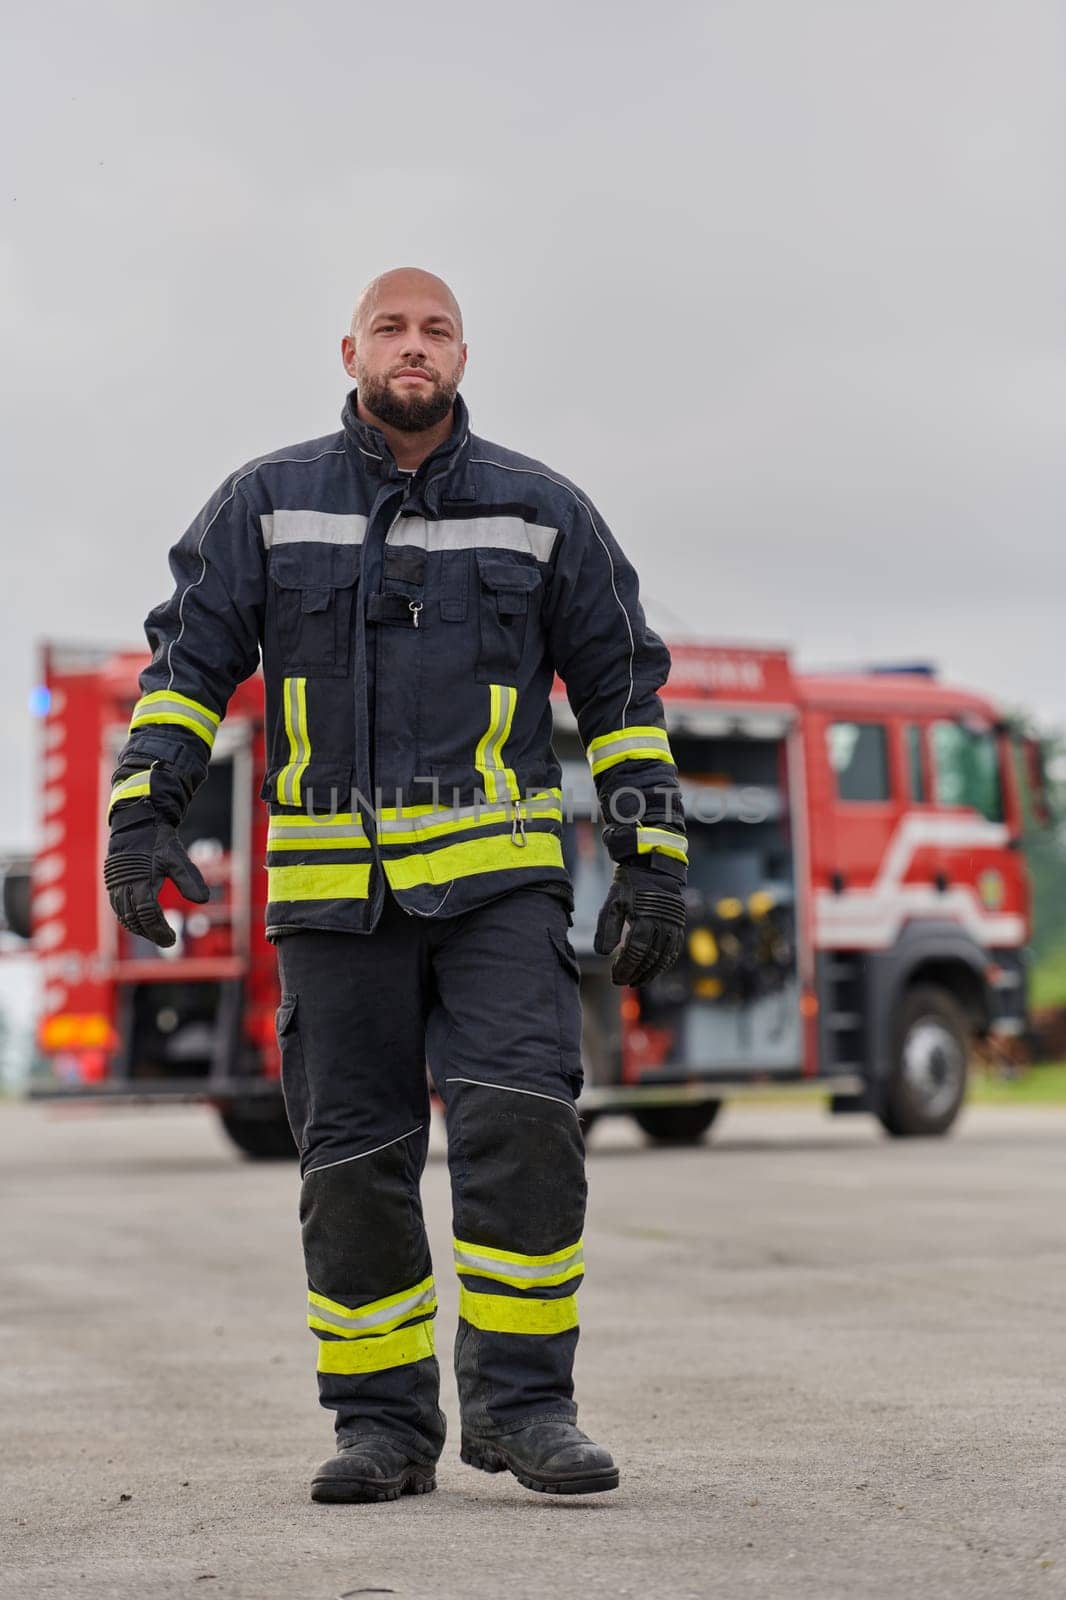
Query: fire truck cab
858, 904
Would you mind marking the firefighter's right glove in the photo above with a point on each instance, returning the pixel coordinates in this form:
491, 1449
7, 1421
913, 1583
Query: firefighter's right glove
653, 906
144, 851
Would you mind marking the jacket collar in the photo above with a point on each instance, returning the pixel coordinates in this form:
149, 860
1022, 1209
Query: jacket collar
373, 450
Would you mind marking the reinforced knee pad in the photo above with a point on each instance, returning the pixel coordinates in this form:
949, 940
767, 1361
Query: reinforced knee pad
518, 1168
361, 1221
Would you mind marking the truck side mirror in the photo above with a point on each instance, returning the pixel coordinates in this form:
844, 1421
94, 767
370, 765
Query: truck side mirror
1036, 778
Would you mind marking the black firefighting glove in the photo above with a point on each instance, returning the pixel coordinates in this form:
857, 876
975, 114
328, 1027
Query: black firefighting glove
144, 851
653, 905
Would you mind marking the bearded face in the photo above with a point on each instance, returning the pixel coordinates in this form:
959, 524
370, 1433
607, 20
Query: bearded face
409, 404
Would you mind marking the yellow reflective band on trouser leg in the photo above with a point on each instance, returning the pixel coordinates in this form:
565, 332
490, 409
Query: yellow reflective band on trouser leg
294, 695
347, 1357
519, 1271
500, 781
167, 707
380, 1316
372, 1338
497, 1313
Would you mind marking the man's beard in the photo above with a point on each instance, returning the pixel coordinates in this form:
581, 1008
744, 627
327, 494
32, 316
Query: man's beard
412, 413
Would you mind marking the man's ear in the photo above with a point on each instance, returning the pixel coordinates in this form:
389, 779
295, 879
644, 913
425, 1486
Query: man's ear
348, 354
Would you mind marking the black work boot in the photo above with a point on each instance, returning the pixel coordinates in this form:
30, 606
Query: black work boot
372, 1468
551, 1457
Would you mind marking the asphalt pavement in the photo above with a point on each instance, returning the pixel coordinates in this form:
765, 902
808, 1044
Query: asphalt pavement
827, 1363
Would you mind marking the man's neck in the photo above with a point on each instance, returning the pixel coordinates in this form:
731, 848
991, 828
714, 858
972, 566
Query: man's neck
409, 450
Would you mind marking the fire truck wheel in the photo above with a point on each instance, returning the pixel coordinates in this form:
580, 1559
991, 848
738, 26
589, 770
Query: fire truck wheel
261, 1132
676, 1124
928, 1083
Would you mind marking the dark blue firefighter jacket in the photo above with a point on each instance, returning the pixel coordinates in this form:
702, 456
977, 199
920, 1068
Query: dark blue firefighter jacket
410, 627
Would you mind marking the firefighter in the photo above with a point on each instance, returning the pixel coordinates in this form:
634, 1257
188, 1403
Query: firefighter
412, 589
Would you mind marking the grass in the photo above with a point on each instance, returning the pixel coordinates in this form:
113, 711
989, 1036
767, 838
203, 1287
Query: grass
1043, 1084
1047, 980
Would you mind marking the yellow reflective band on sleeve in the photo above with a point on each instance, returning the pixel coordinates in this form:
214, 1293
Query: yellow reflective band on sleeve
166, 706
664, 840
376, 1318
294, 696
349, 1356
519, 1271
628, 744
136, 786
497, 1313
500, 782
471, 856
346, 882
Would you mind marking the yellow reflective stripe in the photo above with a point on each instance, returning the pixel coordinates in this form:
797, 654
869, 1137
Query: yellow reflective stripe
628, 744
399, 1349
663, 840
294, 695
349, 881
471, 856
520, 1271
377, 1317
167, 706
514, 1258
355, 841
541, 1280
316, 819
488, 758
131, 788
497, 1313
645, 734
392, 813
485, 816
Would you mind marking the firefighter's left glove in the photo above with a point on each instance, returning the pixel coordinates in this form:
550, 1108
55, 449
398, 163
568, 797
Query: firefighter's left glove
144, 851
653, 906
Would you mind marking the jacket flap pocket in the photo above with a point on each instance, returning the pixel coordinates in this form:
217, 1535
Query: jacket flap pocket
511, 583
315, 567
506, 575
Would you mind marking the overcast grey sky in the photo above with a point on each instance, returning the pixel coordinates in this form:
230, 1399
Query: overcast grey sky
779, 283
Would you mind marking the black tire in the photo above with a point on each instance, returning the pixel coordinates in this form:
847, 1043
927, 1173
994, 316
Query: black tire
677, 1125
18, 894
932, 1055
261, 1132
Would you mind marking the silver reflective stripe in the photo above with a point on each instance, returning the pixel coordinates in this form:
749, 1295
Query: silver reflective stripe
475, 533
278, 830
299, 745
497, 811
323, 527
400, 1308
663, 837
639, 741
467, 1262
156, 710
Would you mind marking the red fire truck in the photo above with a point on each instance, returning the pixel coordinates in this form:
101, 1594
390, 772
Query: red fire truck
858, 903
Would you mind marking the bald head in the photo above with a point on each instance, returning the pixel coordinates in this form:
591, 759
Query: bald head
402, 284
406, 352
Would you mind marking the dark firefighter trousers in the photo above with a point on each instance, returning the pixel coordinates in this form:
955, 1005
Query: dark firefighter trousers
490, 1000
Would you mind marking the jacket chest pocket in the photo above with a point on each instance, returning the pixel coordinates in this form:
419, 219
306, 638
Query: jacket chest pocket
313, 590
508, 609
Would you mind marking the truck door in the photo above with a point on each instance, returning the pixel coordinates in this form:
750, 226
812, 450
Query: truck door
981, 874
